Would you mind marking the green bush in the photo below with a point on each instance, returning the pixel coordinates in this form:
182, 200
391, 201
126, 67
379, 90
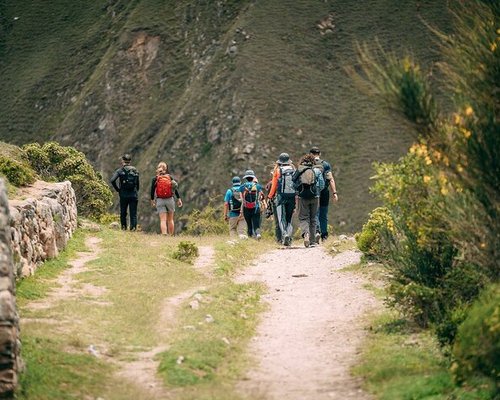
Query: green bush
186, 251
372, 240
208, 221
16, 173
477, 346
55, 162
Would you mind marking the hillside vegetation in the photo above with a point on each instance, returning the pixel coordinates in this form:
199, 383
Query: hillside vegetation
213, 88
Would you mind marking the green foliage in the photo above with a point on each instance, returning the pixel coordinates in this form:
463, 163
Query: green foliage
53, 372
444, 194
186, 251
18, 174
208, 221
371, 239
477, 347
401, 362
55, 162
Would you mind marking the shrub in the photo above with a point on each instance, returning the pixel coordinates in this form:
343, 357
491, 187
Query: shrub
16, 173
372, 240
477, 347
208, 221
186, 252
55, 162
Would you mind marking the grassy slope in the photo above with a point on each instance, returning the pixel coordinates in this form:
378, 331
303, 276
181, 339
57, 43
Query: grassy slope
69, 71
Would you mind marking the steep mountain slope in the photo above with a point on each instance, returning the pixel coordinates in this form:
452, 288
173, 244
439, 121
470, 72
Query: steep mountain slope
211, 87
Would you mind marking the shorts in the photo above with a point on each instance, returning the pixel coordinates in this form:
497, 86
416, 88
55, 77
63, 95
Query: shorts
165, 205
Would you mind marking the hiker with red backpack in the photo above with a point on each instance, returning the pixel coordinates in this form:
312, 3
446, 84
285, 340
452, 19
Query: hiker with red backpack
232, 209
128, 188
282, 194
163, 189
309, 182
251, 197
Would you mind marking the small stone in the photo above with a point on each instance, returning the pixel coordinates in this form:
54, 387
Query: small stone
198, 297
114, 225
226, 340
180, 360
209, 319
195, 305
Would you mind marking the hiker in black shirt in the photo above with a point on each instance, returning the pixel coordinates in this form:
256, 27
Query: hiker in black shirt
128, 188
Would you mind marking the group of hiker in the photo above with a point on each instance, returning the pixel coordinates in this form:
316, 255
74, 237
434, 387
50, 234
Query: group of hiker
305, 187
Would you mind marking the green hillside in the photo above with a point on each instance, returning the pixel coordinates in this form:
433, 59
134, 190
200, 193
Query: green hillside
211, 87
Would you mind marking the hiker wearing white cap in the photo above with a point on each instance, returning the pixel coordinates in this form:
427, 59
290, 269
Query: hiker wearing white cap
282, 194
232, 209
251, 196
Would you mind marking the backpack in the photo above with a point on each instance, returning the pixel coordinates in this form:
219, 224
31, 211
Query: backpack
128, 179
164, 189
250, 195
305, 180
236, 200
286, 187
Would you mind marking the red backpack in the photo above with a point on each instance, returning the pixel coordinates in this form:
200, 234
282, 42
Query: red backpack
164, 186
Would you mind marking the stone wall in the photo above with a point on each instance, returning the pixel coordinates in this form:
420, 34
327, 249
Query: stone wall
10, 361
42, 219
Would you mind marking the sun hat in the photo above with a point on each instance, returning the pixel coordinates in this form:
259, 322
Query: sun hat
249, 174
315, 150
283, 159
236, 179
127, 157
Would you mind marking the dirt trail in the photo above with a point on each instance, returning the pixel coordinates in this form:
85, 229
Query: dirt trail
142, 370
309, 338
68, 287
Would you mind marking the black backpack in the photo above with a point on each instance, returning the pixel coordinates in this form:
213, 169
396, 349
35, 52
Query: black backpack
235, 202
128, 179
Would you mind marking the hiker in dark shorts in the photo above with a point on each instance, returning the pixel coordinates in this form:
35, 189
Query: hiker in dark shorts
251, 196
324, 198
282, 194
163, 189
128, 189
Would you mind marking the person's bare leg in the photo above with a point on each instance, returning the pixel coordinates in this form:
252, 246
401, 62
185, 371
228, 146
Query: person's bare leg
170, 223
163, 223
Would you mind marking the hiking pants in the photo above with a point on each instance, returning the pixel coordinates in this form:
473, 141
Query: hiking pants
252, 218
322, 223
308, 208
131, 204
236, 226
284, 214
277, 229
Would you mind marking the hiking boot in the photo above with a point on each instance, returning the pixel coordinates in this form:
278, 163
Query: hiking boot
324, 236
258, 236
306, 239
313, 245
317, 237
287, 241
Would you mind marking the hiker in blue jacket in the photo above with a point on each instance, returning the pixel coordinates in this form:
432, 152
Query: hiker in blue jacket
251, 197
232, 209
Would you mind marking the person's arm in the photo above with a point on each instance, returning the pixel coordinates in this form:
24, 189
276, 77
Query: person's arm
226, 211
331, 184
274, 183
114, 179
179, 200
152, 191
